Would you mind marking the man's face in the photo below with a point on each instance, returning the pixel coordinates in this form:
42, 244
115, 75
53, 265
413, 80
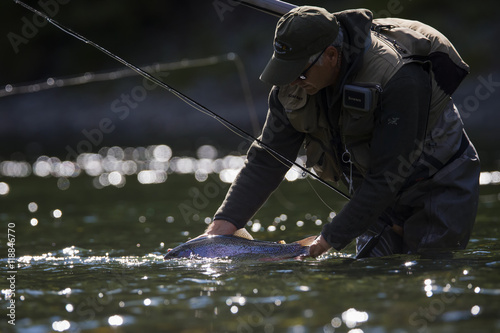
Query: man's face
321, 74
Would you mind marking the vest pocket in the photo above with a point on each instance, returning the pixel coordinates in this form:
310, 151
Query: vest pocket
323, 163
356, 123
360, 155
357, 130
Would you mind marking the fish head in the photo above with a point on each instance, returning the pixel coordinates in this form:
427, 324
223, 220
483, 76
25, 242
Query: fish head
193, 248
179, 252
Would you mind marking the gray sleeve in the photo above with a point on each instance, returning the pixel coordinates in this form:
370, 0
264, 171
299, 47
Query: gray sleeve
399, 125
262, 172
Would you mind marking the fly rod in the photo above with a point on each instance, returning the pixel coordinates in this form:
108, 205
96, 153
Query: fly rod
189, 101
273, 7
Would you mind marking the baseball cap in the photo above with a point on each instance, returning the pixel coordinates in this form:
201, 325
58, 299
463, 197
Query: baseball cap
300, 33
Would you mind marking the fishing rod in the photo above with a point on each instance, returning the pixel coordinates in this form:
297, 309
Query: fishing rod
189, 101
273, 7
92, 77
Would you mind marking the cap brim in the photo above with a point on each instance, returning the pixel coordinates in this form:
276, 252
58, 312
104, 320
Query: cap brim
281, 72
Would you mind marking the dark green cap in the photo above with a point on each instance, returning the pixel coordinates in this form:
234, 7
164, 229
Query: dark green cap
300, 33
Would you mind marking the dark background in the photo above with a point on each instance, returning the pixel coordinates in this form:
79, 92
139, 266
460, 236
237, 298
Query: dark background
54, 121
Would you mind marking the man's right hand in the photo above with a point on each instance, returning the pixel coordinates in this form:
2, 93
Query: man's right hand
318, 247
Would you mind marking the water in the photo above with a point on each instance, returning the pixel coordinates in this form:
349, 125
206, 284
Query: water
89, 258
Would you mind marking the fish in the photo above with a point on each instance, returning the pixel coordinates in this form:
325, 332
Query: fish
240, 247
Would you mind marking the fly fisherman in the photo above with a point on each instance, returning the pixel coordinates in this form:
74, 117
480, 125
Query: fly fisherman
371, 100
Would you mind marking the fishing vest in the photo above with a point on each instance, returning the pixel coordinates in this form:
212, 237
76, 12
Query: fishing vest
394, 43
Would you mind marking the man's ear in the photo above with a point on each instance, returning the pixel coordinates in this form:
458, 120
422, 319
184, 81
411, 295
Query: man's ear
332, 55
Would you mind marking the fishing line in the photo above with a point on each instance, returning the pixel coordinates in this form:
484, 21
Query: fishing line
93, 77
197, 106
319, 196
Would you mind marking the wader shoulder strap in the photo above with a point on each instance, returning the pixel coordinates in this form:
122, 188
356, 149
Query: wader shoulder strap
419, 41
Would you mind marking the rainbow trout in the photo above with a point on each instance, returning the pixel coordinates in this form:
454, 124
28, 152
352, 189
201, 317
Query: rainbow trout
236, 247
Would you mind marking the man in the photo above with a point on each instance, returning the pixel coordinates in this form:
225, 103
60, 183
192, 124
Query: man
371, 99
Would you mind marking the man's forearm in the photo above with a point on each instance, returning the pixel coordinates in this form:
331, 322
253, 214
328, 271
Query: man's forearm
263, 172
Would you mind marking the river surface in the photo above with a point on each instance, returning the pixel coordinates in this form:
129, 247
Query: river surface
87, 256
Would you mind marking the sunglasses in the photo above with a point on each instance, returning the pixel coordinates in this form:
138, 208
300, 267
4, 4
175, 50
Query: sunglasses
303, 75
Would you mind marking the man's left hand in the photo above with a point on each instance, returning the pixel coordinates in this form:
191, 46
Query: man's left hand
318, 247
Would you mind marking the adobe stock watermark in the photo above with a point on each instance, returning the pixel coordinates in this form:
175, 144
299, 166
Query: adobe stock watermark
30, 28
121, 107
482, 92
11, 273
222, 7
260, 317
200, 199
92, 305
436, 307
393, 7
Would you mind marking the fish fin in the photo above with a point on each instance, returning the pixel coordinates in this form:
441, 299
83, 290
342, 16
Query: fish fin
307, 241
243, 233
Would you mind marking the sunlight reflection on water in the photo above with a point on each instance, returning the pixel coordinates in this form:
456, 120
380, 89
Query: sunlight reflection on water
74, 255
151, 165
94, 286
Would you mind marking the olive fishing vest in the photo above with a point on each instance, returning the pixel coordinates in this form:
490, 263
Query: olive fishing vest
394, 43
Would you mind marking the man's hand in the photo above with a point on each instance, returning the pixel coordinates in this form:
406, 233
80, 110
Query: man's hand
219, 227
318, 247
